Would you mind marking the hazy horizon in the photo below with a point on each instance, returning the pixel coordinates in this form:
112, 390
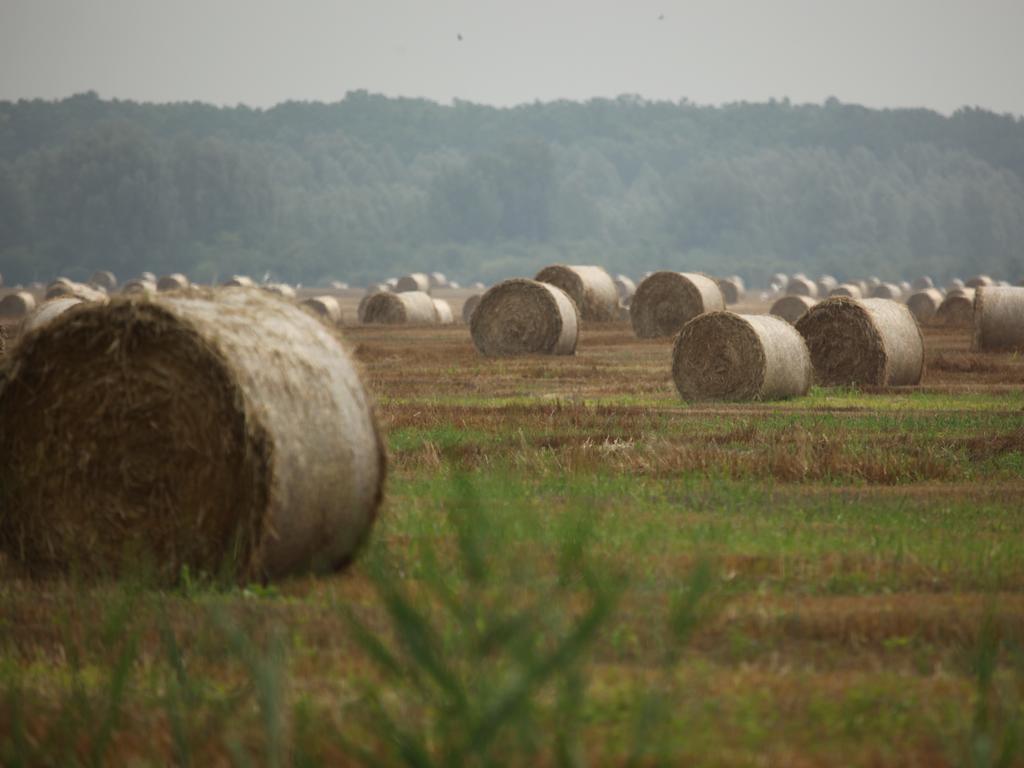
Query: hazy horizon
917, 55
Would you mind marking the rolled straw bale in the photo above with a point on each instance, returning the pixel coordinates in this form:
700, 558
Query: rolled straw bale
725, 356
998, 318
623, 312
873, 282
326, 308
339, 285
872, 342
373, 288
81, 291
408, 307
905, 288
922, 283
625, 286
17, 304
792, 308
48, 311
453, 285
443, 312
523, 317
469, 306
825, 284
979, 281
887, 291
417, 281
239, 281
801, 286
591, 288
361, 311
153, 430
731, 288
478, 286
666, 301
781, 279
957, 309
172, 282
391, 283
924, 304
139, 285
104, 279
147, 276
1003, 283
279, 289
437, 280
851, 290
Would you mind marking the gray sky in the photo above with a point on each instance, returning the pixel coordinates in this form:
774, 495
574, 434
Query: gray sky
941, 54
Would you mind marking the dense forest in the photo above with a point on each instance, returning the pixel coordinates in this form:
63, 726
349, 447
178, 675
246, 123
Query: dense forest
372, 186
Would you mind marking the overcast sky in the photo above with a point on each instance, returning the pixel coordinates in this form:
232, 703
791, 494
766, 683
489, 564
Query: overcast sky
941, 54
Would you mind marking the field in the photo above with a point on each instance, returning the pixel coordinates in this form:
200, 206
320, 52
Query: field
574, 567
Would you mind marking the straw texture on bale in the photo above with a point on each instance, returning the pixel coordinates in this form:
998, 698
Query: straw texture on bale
326, 308
59, 289
791, 308
417, 281
104, 279
172, 282
239, 281
409, 307
979, 281
998, 319
924, 304
850, 290
152, 430
443, 312
872, 342
666, 301
591, 288
731, 288
625, 286
139, 285
48, 311
801, 286
725, 356
17, 304
469, 306
957, 309
523, 317
887, 291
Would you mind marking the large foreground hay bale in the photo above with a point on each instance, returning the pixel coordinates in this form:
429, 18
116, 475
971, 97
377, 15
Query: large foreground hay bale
443, 312
725, 356
979, 281
172, 282
17, 304
592, 288
792, 308
326, 308
731, 288
957, 309
666, 301
801, 286
49, 311
924, 304
406, 308
104, 279
154, 429
469, 306
850, 290
873, 342
523, 317
998, 319
625, 287
417, 281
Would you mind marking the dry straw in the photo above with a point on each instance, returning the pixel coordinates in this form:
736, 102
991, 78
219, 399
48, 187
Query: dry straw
417, 281
873, 342
173, 282
801, 286
47, 312
229, 433
407, 308
666, 301
469, 306
104, 279
731, 288
443, 312
957, 309
850, 290
998, 319
591, 288
326, 308
523, 317
924, 304
17, 304
725, 356
791, 308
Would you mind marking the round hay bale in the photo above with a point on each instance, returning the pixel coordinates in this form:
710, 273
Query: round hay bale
725, 356
139, 285
443, 312
873, 282
60, 289
238, 281
905, 288
104, 279
924, 304
279, 289
437, 280
478, 286
791, 308
172, 282
998, 318
361, 310
405, 308
452, 285
979, 281
923, 283
801, 286
625, 287
954, 284
147, 276
326, 308
780, 279
373, 288
17, 304
887, 291
957, 309
850, 290
48, 311
666, 301
731, 288
338, 285
525, 317
469, 306
826, 284
417, 281
872, 342
391, 283
591, 288
205, 456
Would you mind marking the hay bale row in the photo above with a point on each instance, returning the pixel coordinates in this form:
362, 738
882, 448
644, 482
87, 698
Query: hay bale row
799, 285
523, 317
324, 307
957, 309
591, 288
924, 304
405, 308
998, 319
414, 282
791, 308
873, 342
887, 291
207, 457
666, 301
725, 356
17, 304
